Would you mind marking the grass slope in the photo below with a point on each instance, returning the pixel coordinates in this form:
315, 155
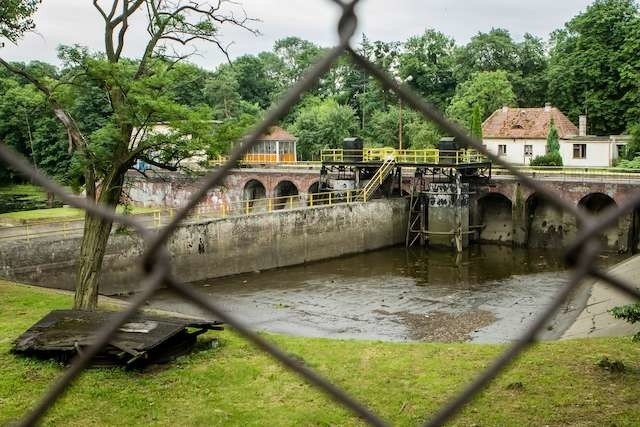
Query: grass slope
235, 384
27, 189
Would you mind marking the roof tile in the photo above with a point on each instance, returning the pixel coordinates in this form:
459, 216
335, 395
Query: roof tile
276, 133
527, 123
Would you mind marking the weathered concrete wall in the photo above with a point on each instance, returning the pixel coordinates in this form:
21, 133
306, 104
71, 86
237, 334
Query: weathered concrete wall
448, 214
218, 248
495, 213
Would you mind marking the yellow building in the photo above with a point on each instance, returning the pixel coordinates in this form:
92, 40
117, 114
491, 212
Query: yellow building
275, 146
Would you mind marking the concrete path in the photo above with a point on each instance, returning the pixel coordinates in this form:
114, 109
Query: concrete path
595, 320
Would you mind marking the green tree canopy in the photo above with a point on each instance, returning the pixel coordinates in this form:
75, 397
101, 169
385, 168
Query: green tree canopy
488, 90
384, 130
15, 18
323, 124
594, 66
429, 59
525, 63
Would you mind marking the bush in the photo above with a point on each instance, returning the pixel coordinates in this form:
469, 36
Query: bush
551, 159
630, 313
629, 164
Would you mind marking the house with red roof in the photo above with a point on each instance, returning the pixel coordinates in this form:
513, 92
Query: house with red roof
520, 135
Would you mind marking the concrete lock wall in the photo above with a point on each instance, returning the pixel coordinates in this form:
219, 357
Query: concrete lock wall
448, 214
217, 248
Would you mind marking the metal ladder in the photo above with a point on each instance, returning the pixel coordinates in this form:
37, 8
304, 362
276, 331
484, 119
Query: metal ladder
416, 221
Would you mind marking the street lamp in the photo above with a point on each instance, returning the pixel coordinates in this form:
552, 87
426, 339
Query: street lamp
401, 81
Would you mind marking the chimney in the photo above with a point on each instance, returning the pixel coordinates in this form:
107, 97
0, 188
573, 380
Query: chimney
547, 107
582, 128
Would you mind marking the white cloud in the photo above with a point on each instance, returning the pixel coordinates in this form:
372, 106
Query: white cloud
77, 22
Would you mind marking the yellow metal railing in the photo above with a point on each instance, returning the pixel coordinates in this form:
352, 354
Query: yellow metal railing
65, 228
258, 160
157, 218
428, 155
574, 171
378, 179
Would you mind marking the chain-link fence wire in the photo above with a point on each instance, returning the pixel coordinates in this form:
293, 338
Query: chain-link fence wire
581, 254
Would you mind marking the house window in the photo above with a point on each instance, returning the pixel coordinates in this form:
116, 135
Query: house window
502, 150
528, 150
579, 151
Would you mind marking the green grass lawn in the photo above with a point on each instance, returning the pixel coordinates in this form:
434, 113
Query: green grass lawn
235, 384
59, 214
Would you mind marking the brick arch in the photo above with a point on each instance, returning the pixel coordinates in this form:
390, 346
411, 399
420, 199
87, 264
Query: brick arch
254, 189
597, 202
314, 187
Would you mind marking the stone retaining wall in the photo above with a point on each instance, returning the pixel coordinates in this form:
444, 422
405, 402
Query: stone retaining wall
220, 247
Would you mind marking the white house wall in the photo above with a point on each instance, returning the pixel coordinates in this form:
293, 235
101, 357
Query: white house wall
598, 154
515, 149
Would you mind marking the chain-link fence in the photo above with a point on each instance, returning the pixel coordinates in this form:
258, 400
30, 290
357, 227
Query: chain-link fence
580, 255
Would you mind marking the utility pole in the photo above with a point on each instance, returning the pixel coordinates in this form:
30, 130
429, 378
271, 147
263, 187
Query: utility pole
400, 124
400, 128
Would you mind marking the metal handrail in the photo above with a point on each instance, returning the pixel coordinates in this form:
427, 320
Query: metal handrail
161, 216
378, 179
427, 155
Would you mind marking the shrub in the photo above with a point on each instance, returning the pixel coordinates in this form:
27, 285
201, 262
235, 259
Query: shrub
630, 313
629, 164
550, 159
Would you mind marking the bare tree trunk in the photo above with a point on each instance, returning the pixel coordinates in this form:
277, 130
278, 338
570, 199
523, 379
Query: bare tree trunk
92, 250
93, 247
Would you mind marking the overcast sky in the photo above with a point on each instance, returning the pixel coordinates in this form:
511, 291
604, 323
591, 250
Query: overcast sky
77, 22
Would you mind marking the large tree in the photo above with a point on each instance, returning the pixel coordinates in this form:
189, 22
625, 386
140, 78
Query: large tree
322, 124
429, 60
487, 90
594, 66
525, 63
28, 126
384, 129
128, 96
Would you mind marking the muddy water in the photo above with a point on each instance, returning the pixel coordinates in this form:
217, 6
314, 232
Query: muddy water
488, 294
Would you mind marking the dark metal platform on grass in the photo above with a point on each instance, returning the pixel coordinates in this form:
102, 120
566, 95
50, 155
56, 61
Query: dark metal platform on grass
144, 340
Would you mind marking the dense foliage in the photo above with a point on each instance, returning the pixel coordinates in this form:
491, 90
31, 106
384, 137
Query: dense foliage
592, 68
550, 159
15, 18
487, 90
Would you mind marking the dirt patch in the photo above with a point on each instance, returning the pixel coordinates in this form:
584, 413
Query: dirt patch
440, 326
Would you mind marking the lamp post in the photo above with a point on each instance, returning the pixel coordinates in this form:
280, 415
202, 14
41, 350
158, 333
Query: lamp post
400, 125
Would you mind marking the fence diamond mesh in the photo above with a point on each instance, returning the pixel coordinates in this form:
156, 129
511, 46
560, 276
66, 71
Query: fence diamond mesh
580, 255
